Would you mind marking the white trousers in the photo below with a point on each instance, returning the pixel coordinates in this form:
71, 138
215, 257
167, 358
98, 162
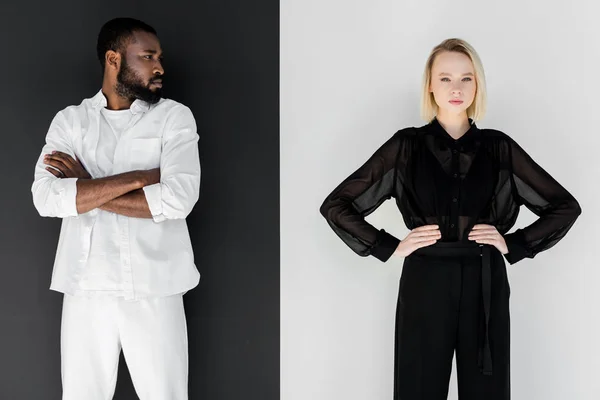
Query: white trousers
151, 332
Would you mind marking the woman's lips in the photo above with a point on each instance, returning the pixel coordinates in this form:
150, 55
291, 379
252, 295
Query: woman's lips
456, 102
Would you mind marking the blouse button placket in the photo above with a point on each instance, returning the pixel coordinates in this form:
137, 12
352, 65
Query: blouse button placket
455, 192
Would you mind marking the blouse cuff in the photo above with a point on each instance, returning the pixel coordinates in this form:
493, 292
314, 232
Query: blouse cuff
385, 246
517, 250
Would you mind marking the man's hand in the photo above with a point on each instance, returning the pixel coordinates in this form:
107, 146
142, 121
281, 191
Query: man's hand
488, 234
65, 166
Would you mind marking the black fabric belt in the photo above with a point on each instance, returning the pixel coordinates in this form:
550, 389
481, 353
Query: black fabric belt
457, 249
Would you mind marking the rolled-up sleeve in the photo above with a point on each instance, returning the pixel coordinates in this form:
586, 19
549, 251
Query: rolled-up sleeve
178, 191
52, 196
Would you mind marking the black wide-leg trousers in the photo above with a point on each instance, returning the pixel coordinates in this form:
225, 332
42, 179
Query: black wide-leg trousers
441, 311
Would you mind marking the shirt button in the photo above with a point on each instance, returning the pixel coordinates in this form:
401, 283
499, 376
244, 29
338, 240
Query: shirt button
455, 151
455, 175
454, 199
451, 225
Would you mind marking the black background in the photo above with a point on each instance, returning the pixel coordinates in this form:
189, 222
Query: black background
221, 60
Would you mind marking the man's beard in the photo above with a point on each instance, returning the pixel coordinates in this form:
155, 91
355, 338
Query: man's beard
130, 86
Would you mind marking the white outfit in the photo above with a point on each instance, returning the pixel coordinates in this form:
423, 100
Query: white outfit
152, 333
123, 278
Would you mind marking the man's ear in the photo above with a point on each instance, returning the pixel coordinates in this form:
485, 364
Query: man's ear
112, 60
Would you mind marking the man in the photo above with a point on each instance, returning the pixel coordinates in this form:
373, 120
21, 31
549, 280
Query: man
122, 171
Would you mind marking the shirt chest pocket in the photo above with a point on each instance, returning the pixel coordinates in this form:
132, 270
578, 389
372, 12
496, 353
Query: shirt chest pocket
145, 153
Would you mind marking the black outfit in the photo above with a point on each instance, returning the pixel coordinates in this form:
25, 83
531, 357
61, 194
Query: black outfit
454, 294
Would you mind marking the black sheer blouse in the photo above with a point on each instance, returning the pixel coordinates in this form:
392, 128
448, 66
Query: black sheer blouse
481, 178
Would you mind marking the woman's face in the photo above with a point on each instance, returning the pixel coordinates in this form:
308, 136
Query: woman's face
453, 82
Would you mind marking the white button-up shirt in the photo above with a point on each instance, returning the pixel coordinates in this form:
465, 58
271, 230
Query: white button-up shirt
156, 257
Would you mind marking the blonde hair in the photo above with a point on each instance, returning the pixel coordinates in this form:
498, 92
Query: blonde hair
476, 110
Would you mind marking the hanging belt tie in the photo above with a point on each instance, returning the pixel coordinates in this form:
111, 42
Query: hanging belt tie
485, 353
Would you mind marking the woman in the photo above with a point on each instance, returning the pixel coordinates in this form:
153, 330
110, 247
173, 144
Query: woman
459, 189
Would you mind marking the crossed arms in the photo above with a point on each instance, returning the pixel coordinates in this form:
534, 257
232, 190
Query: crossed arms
121, 194
63, 188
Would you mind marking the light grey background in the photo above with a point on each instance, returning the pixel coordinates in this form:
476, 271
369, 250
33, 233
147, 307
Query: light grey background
350, 77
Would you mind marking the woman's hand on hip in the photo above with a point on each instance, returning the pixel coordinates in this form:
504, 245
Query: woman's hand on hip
488, 234
422, 236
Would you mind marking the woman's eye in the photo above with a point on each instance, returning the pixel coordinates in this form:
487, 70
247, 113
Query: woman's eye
467, 79
445, 80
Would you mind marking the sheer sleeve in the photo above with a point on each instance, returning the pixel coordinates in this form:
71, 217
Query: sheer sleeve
359, 195
556, 208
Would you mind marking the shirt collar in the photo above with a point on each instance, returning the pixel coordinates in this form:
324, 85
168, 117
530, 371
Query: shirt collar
440, 131
138, 106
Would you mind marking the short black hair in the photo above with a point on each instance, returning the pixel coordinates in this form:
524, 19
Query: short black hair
115, 34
